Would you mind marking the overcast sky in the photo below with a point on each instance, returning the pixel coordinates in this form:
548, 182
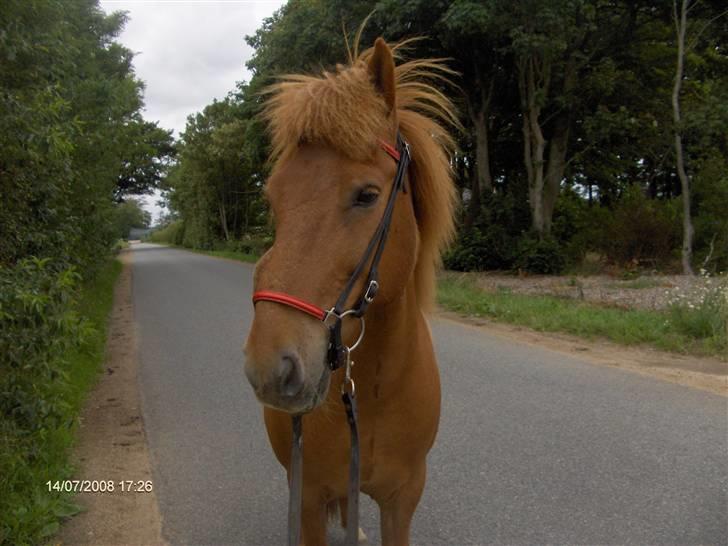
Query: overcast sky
188, 52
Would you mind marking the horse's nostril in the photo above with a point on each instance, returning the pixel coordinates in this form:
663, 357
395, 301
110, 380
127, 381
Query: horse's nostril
290, 373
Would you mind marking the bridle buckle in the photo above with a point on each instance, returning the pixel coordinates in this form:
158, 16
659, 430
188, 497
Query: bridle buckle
371, 291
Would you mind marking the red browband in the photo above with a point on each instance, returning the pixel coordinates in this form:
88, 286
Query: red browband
391, 150
309, 308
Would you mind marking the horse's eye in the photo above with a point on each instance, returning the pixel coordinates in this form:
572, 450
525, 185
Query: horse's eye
366, 197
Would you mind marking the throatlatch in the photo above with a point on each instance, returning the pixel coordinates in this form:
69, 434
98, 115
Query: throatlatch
339, 354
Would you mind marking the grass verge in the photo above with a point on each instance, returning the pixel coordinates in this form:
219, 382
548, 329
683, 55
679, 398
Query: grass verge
29, 458
666, 330
229, 254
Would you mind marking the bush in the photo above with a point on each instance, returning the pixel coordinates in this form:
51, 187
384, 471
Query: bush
544, 256
491, 241
475, 250
577, 225
641, 231
710, 195
37, 326
254, 245
170, 234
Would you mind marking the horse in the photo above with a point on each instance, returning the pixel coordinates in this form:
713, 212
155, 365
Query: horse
332, 137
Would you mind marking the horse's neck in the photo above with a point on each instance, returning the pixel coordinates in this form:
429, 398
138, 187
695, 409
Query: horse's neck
393, 339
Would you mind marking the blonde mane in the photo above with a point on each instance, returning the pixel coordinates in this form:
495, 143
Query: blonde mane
344, 110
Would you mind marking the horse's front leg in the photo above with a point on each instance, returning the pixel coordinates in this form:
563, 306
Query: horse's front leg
396, 511
313, 520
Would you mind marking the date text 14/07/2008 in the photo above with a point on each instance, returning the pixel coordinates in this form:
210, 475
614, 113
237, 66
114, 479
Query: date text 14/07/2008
101, 486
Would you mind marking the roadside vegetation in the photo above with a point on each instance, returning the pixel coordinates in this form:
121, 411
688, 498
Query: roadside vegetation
53, 341
699, 326
246, 249
73, 149
227, 254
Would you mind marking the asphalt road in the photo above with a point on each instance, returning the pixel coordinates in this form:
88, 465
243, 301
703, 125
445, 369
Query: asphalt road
534, 447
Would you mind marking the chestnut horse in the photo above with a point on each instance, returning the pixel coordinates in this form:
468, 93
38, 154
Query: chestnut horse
328, 190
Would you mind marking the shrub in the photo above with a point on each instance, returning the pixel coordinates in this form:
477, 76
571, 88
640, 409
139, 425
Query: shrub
171, 234
255, 245
490, 242
475, 250
37, 327
544, 256
710, 195
641, 230
577, 226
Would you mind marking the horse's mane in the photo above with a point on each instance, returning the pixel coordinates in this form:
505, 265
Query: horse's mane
344, 110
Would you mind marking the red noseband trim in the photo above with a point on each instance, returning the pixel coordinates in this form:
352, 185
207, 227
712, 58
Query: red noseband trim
391, 150
290, 301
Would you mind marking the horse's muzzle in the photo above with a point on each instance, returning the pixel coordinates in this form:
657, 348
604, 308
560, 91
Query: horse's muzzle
284, 385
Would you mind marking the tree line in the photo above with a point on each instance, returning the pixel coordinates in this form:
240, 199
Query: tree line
73, 147
73, 142
568, 152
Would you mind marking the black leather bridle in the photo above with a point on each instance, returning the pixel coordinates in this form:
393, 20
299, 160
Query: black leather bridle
338, 354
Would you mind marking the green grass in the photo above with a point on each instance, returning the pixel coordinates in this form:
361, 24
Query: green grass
95, 305
30, 512
625, 326
637, 284
229, 254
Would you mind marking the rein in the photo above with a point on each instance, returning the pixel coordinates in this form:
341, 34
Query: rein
339, 354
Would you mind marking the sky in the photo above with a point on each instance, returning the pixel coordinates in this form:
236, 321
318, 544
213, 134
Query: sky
188, 52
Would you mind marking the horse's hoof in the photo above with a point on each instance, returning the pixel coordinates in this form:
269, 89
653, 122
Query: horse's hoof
362, 537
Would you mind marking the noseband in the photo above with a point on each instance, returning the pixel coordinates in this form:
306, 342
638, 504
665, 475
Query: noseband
339, 354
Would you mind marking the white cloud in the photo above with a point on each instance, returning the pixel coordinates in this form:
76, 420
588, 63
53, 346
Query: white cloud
188, 52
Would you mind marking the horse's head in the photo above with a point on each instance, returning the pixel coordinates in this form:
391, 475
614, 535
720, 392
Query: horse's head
328, 192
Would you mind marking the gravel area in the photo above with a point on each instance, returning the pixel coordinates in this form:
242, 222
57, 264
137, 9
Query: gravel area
645, 292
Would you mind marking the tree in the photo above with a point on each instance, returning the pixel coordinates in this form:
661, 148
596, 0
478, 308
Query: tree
145, 153
72, 139
680, 29
556, 98
130, 214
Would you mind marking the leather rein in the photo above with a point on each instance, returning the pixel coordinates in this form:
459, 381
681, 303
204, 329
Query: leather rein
338, 354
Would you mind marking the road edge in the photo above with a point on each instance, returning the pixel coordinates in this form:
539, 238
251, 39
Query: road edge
112, 443
704, 373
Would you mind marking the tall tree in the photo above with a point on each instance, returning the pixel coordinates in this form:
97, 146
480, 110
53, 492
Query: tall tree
681, 22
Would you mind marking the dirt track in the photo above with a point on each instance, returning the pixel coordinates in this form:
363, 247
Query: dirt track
113, 445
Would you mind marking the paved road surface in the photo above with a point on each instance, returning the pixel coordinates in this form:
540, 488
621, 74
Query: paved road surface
534, 447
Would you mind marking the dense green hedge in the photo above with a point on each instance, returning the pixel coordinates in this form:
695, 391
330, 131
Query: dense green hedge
52, 338
73, 145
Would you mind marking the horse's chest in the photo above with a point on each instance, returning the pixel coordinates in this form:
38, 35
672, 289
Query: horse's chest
393, 440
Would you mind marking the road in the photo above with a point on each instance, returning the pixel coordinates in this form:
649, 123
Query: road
534, 446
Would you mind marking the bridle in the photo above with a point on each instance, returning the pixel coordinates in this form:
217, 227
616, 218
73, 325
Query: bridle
338, 354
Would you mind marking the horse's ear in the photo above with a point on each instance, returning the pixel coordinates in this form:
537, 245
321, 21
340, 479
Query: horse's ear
381, 70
